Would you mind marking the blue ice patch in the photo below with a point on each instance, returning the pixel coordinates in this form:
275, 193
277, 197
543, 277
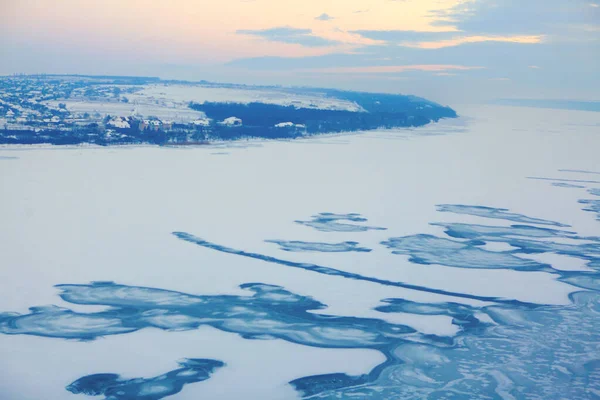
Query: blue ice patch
329, 222
113, 387
567, 185
495, 213
299, 246
592, 206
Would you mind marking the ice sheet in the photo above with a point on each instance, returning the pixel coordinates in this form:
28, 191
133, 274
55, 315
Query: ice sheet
72, 216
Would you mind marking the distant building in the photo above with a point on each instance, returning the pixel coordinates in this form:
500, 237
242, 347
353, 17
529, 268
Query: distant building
119, 122
201, 122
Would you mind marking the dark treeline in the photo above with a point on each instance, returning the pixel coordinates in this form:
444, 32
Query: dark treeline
394, 103
259, 119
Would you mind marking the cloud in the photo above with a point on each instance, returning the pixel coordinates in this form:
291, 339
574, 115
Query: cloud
507, 38
457, 41
324, 17
304, 37
390, 69
403, 35
438, 40
515, 16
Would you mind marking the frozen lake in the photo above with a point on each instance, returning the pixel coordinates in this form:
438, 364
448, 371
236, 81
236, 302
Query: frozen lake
459, 260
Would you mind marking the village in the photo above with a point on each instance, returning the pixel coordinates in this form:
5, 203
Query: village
34, 109
106, 110
38, 109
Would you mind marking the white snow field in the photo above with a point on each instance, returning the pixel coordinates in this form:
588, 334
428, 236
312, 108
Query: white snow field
200, 93
168, 101
76, 215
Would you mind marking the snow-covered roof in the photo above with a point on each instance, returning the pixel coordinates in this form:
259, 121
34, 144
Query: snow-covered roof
201, 122
119, 122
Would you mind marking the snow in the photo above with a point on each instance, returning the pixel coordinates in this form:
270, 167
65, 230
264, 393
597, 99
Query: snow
142, 108
289, 125
73, 215
231, 121
201, 122
183, 94
119, 123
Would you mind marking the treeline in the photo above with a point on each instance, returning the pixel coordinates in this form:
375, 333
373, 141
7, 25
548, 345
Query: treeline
259, 119
394, 103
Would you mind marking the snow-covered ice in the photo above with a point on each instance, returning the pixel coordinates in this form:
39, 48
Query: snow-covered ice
388, 264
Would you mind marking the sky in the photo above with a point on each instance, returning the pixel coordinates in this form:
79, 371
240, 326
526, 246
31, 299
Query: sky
447, 50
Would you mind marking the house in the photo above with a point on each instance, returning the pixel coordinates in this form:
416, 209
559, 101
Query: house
201, 122
119, 122
155, 125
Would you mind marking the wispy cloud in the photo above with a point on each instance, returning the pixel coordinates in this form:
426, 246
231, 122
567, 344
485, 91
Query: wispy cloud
304, 37
457, 41
398, 36
515, 17
324, 17
392, 69
441, 39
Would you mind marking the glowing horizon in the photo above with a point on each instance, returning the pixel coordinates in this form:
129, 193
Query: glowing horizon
265, 41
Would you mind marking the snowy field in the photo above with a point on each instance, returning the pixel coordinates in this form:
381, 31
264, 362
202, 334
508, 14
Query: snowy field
168, 111
170, 102
460, 260
201, 93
